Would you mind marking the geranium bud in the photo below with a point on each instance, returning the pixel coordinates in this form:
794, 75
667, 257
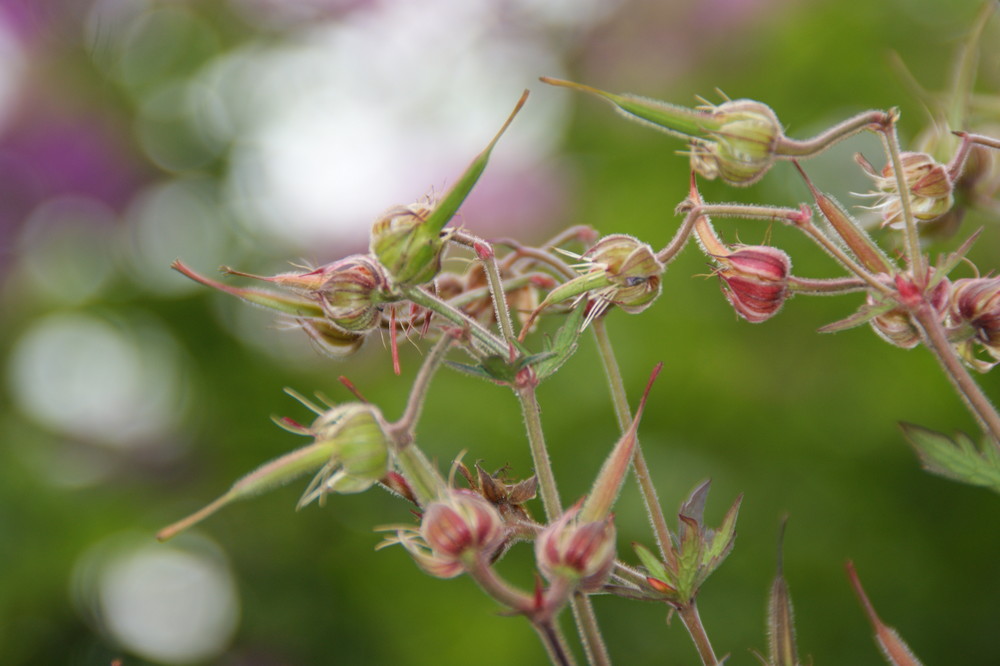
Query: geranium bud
580, 551
349, 291
897, 326
361, 450
462, 522
741, 145
408, 248
975, 303
618, 270
755, 280
930, 185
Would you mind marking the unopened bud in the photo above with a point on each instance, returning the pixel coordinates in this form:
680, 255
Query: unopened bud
975, 303
626, 273
580, 551
408, 248
462, 522
755, 280
361, 450
742, 143
928, 181
349, 290
897, 326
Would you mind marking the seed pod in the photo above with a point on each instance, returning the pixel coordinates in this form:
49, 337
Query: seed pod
406, 246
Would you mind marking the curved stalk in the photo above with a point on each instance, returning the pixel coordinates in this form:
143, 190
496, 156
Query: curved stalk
791, 148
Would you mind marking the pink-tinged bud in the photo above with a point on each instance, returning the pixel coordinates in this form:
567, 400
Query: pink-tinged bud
929, 182
755, 280
460, 523
742, 144
580, 551
897, 326
350, 291
975, 303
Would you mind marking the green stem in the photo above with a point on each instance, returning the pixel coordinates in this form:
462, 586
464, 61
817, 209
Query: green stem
912, 246
623, 413
425, 299
692, 622
583, 612
424, 478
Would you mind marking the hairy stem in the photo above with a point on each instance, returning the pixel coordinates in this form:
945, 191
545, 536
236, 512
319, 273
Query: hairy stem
973, 396
692, 622
425, 299
791, 148
912, 246
623, 413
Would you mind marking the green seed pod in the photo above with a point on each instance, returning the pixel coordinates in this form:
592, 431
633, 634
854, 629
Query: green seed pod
741, 144
361, 450
406, 246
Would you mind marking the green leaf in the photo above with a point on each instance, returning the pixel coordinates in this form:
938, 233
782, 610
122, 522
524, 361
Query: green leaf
563, 344
722, 540
475, 370
955, 458
654, 567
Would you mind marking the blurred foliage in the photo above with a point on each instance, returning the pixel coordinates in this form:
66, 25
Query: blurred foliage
802, 424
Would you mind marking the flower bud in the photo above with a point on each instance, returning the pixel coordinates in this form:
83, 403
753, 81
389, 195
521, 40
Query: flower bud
625, 272
741, 144
408, 248
361, 450
462, 522
897, 327
583, 551
349, 290
975, 302
755, 280
928, 181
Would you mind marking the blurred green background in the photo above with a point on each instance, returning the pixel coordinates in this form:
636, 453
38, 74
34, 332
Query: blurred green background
258, 132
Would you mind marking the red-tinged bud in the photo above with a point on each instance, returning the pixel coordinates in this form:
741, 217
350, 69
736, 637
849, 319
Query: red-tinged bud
742, 144
579, 551
755, 280
462, 522
349, 291
975, 306
929, 182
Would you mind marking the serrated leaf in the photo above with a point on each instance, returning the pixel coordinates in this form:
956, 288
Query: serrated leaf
564, 344
724, 537
474, 370
654, 567
955, 458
